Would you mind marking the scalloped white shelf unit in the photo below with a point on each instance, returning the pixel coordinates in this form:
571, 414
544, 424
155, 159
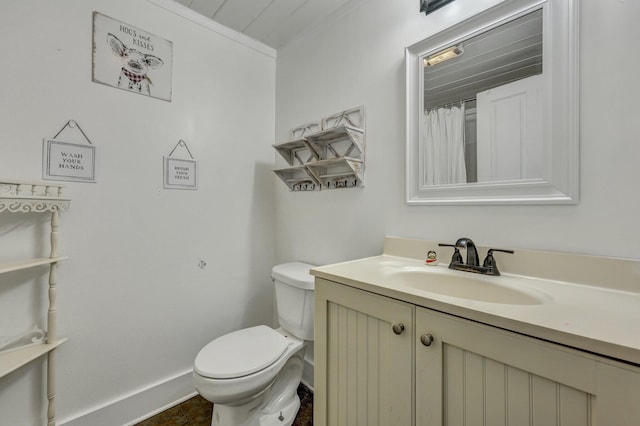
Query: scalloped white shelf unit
39, 197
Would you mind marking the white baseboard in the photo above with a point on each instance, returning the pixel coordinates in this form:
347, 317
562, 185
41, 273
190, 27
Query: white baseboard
137, 406
307, 374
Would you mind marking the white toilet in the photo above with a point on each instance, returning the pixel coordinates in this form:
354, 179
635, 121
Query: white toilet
252, 375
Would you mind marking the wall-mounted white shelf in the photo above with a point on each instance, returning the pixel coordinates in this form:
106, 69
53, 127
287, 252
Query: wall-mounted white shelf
298, 178
326, 155
338, 142
27, 197
296, 152
337, 173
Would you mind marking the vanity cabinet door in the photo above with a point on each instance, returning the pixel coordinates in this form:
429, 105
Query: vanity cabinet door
363, 364
473, 374
618, 400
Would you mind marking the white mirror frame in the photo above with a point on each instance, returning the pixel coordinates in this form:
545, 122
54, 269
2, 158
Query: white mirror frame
559, 184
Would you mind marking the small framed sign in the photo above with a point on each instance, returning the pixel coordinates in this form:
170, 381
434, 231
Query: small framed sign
68, 161
180, 173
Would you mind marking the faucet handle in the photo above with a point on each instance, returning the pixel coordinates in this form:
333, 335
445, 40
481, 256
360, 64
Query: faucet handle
490, 261
457, 257
491, 250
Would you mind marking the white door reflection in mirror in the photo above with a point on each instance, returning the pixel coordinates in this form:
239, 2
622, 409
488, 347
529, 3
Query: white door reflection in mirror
509, 137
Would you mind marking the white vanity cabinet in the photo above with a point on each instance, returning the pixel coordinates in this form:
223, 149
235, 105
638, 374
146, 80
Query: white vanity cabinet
474, 374
469, 374
35, 197
363, 369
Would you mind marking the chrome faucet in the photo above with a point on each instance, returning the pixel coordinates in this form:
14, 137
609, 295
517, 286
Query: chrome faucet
489, 266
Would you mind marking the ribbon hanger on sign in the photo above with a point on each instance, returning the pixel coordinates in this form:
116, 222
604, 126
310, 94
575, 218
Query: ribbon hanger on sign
72, 124
183, 144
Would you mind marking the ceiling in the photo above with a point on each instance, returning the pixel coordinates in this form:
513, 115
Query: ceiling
272, 22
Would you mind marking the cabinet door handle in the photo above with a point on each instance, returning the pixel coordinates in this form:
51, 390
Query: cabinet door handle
426, 339
398, 328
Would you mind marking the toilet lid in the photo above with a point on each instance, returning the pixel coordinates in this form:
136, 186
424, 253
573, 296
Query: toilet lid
240, 353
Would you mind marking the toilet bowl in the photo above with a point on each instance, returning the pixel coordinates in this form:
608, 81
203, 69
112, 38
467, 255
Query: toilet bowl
222, 377
252, 375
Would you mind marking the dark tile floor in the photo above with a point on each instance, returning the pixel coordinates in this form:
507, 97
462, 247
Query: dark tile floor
197, 411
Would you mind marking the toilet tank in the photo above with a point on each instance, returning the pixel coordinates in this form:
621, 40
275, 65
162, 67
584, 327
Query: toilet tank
294, 298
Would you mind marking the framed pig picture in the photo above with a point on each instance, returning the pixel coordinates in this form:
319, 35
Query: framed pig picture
131, 59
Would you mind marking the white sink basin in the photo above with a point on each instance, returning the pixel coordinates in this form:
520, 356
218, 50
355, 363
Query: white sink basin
466, 285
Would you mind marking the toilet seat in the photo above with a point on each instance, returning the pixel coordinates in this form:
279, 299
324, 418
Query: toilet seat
241, 353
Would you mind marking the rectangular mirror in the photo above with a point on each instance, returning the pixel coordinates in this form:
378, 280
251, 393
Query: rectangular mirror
492, 114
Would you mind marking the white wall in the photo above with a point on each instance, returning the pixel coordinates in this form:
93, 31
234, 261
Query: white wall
359, 59
132, 300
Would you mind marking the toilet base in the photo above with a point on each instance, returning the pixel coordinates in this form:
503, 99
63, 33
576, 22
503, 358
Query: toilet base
285, 417
249, 414
277, 405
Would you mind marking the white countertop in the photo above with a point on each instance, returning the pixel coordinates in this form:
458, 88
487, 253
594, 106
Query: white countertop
601, 320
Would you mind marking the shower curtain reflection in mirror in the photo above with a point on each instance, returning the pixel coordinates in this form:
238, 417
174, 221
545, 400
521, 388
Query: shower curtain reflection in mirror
443, 147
